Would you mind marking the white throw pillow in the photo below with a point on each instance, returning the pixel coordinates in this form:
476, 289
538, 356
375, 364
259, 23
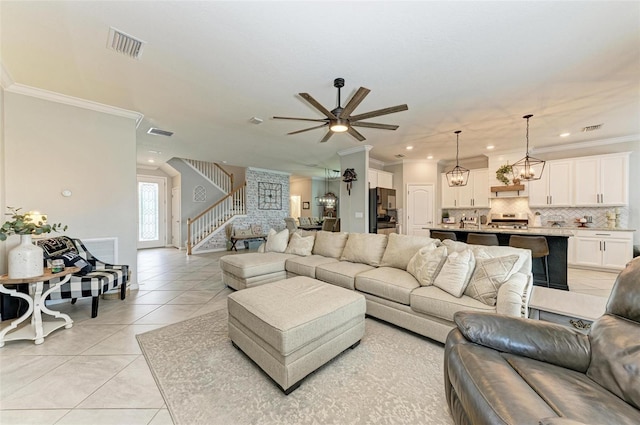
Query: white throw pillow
456, 272
401, 249
277, 241
426, 263
488, 276
300, 245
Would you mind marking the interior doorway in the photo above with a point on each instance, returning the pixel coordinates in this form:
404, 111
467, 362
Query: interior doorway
151, 211
176, 218
294, 206
420, 209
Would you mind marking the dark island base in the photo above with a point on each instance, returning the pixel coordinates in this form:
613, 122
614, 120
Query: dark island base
557, 258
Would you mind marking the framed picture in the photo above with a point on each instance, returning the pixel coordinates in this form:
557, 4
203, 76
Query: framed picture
305, 205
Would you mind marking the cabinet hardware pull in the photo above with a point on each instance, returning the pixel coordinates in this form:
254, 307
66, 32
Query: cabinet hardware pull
604, 244
603, 234
600, 242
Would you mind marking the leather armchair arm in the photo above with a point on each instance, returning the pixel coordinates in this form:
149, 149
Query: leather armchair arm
559, 421
543, 341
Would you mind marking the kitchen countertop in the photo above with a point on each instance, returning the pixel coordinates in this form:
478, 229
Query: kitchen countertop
544, 231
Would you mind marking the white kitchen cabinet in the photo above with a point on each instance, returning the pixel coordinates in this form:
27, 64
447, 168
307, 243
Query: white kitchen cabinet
474, 195
602, 249
602, 180
379, 178
555, 187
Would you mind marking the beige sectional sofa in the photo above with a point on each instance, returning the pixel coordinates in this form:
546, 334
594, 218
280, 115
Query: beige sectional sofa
414, 282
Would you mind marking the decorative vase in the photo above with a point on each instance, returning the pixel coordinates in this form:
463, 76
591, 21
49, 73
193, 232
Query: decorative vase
25, 260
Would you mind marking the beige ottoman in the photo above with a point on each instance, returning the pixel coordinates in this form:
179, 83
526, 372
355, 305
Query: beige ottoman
292, 327
242, 271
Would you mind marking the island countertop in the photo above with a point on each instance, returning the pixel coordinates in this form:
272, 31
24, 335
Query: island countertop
533, 231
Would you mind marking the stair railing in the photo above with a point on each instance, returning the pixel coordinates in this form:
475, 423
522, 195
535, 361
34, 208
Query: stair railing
215, 173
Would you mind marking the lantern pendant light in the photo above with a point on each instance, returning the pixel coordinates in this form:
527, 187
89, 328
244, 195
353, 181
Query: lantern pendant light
459, 176
528, 168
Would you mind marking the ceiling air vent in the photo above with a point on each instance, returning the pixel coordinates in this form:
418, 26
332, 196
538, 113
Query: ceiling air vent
124, 43
158, 132
592, 128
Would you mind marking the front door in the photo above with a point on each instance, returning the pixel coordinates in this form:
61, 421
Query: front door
151, 212
419, 209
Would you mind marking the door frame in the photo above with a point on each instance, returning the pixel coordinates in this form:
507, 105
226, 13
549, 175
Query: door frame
176, 211
162, 211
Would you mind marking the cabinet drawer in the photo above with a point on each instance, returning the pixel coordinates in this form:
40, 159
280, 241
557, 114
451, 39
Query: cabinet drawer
603, 234
580, 325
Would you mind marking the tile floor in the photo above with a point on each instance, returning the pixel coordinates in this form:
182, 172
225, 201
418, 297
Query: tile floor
94, 373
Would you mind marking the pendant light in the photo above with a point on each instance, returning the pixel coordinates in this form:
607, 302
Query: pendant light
528, 168
459, 176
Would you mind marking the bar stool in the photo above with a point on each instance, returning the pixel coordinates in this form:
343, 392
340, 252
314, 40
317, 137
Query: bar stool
538, 246
443, 235
482, 239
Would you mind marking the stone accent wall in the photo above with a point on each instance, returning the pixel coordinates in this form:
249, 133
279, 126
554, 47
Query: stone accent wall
266, 218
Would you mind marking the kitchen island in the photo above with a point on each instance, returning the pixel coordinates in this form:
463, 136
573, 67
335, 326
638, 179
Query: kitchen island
557, 239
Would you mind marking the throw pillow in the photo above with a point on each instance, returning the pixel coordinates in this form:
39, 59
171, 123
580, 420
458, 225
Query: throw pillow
455, 246
488, 276
330, 244
277, 241
366, 248
401, 248
300, 245
456, 272
71, 259
426, 264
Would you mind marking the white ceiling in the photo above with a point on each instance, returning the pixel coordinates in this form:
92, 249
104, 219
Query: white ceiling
208, 67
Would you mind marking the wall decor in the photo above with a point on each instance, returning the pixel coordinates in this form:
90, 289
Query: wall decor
306, 205
199, 194
349, 177
269, 196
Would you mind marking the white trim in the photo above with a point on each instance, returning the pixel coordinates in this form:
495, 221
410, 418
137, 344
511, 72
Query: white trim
5, 78
268, 171
74, 101
589, 144
376, 162
363, 148
146, 167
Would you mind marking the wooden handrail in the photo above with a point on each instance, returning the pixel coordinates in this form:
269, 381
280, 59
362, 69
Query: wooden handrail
230, 175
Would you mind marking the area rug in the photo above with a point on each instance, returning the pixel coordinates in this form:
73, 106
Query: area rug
392, 377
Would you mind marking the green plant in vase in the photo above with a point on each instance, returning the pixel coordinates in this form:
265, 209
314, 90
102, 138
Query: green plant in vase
29, 223
503, 173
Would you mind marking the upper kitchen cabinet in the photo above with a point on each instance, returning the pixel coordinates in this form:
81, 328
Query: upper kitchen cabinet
602, 180
554, 187
378, 178
474, 195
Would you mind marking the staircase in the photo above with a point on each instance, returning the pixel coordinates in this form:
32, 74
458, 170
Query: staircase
214, 219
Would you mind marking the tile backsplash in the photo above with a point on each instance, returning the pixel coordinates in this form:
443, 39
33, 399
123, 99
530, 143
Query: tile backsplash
568, 214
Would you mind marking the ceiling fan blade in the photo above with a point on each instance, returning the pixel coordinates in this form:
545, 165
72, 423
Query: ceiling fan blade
352, 131
354, 102
379, 112
300, 119
307, 129
327, 136
375, 125
317, 105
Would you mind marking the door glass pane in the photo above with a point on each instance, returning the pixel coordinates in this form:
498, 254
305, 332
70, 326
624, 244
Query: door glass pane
148, 211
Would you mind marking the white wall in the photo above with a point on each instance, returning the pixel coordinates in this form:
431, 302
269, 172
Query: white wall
302, 187
49, 147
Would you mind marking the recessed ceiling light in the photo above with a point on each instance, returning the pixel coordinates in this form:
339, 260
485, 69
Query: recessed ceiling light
150, 160
409, 148
430, 157
490, 147
565, 135
155, 152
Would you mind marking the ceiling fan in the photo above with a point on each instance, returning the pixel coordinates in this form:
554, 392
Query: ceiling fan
340, 119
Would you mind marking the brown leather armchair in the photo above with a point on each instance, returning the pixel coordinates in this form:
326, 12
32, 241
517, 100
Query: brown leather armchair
506, 370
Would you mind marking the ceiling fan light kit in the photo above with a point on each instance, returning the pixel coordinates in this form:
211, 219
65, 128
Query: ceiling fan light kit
340, 120
458, 176
528, 168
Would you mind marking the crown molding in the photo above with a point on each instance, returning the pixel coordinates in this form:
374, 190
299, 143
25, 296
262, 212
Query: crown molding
589, 144
363, 148
377, 162
73, 101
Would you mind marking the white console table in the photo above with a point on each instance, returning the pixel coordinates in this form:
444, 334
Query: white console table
37, 329
571, 309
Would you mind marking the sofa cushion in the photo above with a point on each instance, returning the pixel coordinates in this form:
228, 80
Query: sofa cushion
572, 394
254, 264
306, 266
277, 241
434, 301
364, 248
387, 282
329, 244
524, 256
488, 276
342, 273
401, 248
456, 272
300, 245
426, 264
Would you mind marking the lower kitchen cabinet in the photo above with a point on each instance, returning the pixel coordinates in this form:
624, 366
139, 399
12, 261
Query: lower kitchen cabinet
610, 250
